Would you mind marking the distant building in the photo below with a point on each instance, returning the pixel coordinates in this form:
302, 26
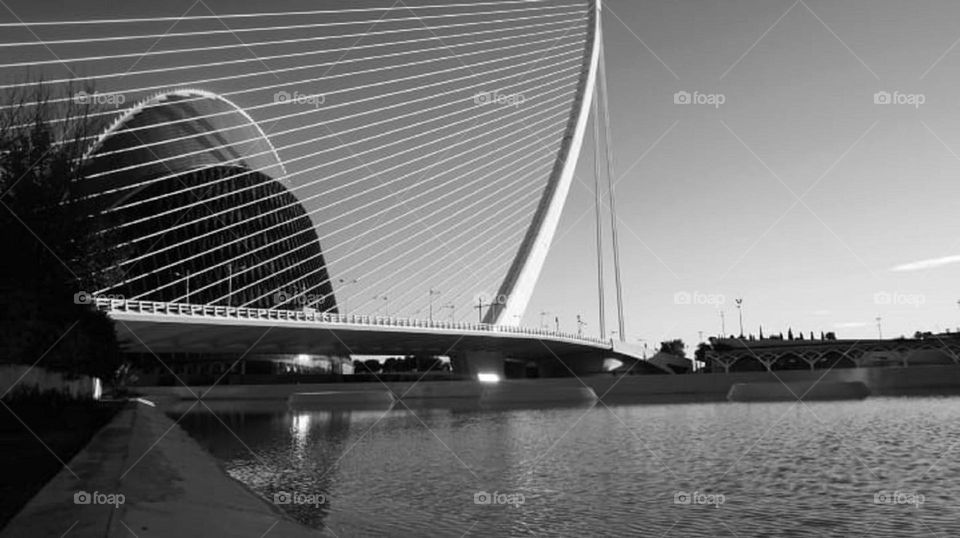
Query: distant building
203, 217
727, 355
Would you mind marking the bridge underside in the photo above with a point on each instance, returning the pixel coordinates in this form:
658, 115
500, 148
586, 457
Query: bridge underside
209, 336
472, 352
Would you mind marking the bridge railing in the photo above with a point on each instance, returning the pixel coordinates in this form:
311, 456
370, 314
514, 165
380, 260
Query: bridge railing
310, 315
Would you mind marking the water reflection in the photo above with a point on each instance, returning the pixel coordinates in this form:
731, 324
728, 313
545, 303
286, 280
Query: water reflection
299, 431
274, 451
783, 469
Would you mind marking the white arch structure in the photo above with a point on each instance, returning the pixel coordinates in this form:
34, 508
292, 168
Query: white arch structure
271, 159
518, 285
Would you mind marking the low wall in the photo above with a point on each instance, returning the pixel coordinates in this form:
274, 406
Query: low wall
895, 381
23, 376
704, 387
357, 392
900, 381
430, 389
802, 390
914, 380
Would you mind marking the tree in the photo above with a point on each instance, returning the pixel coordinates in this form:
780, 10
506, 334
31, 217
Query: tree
55, 251
700, 355
372, 365
673, 347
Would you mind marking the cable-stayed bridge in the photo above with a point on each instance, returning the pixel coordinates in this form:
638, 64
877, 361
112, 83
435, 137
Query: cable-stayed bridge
474, 347
395, 162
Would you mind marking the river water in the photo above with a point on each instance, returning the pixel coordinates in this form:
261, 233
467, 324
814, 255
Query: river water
878, 467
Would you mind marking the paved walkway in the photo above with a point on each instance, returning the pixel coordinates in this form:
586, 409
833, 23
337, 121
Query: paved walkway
171, 487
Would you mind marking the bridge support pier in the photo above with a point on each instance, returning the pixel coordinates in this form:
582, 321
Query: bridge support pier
468, 364
570, 366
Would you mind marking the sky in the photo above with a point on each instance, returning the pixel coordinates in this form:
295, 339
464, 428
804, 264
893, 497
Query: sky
814, 175
819, 208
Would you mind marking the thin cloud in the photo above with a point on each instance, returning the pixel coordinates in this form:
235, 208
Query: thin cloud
927, 264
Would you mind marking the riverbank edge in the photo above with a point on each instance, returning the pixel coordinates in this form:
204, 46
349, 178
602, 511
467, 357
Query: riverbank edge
64, 425
624, 390
171, 487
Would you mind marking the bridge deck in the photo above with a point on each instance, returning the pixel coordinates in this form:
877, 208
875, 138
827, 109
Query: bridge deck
174, 327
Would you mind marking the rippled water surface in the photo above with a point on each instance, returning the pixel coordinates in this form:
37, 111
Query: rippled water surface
774, 469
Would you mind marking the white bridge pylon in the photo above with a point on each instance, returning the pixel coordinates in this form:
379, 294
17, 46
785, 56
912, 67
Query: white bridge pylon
520, 281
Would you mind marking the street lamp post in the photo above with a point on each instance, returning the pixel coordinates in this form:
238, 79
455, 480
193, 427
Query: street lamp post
543, 313
879, 327
346, 283
386, 304
187, 296
479, 308
243, 267
580, 325
739, 301
644, 342
432, 293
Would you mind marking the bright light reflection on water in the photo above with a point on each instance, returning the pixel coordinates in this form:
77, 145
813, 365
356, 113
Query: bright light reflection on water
780, 469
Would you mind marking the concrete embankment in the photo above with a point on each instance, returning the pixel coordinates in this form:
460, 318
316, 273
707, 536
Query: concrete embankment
705, 387
901, 381
522, 391
169, 485
791, 392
